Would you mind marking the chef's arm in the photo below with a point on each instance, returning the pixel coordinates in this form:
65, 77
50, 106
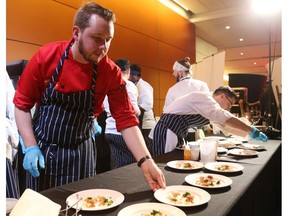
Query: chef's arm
24, 124
239, 126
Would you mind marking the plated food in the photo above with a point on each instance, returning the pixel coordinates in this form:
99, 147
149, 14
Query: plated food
182, 196
243, 152
95, 199
208, 180
251, 146
185, 165
224, 167
226, 144
99, 200
151, 209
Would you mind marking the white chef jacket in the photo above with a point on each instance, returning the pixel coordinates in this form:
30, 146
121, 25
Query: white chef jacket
133, 95
12, 136
185, 86
194, 103
199, 103
145, 101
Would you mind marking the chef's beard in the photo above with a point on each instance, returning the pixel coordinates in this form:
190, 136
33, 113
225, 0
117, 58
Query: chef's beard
88, 57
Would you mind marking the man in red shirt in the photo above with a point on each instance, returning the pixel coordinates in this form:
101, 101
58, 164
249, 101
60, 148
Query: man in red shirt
68, 82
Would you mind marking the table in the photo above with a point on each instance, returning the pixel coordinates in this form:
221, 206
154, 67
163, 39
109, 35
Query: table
254, 191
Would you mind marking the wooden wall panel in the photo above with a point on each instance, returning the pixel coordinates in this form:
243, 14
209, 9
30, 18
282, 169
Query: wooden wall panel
146, 32
166, 81
137, 47
169, 54
176, 30
18, 50
38, 22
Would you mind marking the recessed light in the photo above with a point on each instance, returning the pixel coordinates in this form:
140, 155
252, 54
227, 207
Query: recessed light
255, 63
227, 27
241, 39
241, 53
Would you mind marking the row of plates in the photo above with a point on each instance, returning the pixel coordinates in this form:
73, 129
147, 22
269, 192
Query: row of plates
167, 207
212, 166
200, 197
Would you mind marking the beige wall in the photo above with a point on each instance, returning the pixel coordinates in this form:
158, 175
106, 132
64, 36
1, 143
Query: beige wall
146, 32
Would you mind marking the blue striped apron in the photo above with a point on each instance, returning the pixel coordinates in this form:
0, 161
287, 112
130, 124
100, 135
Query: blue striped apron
63, 126
120, 155
178, 124
12, 184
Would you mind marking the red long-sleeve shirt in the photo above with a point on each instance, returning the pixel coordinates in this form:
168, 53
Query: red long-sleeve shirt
74, 77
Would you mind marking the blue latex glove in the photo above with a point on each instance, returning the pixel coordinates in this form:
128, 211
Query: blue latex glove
98, 130
257, 135
33, 155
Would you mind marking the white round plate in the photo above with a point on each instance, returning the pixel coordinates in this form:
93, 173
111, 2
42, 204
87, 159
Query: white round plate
10, 203
242, 152
182, 165
241, 139
115, 196
222, 150
251, 146
200, 196
224, 167
194, 179
226, 144
219, 138
146, 208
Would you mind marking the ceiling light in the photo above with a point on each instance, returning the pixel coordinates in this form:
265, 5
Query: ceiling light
241, 53
266, 6
255, 63
241, 39
227, 27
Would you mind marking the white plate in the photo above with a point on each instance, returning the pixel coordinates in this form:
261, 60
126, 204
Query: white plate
179, 164
222, 150
10, 203
227, 144
221, 167
115, 196
194, 179
215, 137
146, 208
200, 195
251, 146
242, 152
241, 139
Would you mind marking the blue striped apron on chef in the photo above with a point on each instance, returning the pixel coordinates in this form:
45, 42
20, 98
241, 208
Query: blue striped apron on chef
63, 126
178, 124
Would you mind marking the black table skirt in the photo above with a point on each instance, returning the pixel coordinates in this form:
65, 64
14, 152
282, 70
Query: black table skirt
255, 191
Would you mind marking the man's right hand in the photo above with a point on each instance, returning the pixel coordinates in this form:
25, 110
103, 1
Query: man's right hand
33, 156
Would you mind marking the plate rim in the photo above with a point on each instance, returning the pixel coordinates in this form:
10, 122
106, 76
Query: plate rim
216, 137
174, 161
206, 195
121, 199
225, 150
249, 144
239, 166
123, 211
231, 151
213, 174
